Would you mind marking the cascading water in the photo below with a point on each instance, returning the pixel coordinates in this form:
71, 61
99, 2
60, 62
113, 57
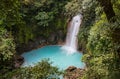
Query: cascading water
71, 39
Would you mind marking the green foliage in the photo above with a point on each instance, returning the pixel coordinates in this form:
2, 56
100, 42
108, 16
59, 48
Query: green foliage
102, 57
73, 7
100, 41
43, 18
11, 19
88, 8
42, 70
9, 15
7, 46
40, 15
23, 35
32, 18
9, 11
7, 50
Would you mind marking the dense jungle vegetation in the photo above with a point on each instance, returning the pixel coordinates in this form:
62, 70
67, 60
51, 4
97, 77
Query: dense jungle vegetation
22, 21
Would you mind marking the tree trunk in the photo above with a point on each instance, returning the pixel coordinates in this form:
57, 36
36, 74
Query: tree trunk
108, 9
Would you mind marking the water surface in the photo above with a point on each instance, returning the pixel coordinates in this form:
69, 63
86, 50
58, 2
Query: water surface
58, 56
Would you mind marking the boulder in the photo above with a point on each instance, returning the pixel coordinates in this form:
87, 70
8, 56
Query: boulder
71, 68
73, 73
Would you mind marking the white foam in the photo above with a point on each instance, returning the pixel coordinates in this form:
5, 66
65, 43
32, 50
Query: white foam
71, 38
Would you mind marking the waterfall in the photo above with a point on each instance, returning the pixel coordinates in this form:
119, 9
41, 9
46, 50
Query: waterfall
71, 38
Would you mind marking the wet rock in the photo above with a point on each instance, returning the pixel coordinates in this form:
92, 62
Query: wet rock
73, 73
71, 68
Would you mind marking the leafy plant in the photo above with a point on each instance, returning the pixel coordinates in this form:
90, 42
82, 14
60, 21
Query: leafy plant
42, 70
7, 46
102, 55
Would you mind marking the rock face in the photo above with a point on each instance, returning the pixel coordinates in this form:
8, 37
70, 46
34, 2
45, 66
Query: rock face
53, 39
73, 73
18, 61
